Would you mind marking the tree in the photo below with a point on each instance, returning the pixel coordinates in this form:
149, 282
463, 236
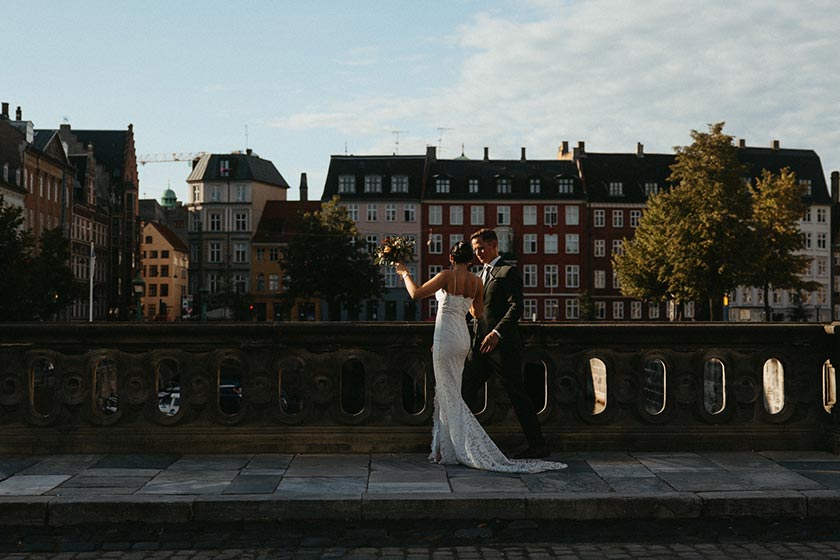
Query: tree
688, 245
325, 260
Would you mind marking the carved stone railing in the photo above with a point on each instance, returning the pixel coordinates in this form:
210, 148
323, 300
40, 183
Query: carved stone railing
365, 387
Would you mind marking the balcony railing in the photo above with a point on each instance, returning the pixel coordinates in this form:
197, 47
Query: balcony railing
363, 387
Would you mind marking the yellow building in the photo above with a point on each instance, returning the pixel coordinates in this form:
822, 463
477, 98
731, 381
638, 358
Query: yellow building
165, 263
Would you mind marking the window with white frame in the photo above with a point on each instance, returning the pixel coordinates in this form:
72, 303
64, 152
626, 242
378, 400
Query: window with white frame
372, 213
616, 283
572, 215
618, 310
529, 215
391, 277
472, 186
550, 309
635, 218
550, 243
434, 270
572, 308
529, 308
550, 215
371, 242
565, 185
529, 275
820, 297
653, 310
572, 244
477, 215
808, 240
550, 273
599, 247
778, 296
618, 246
618, 218
224, 168
821, 240
241, 193
435, 215
600, 279
806, 217
599, 218
572, 276
433, 307
216, 221
442, 185
455, 238
436, 243
390, 212
214, 254
410, 212
616, 188
600, 310
196, 193
353, 212
273, 282
651, 188
534, 185
503, 185
240, 252
214, 282
399, 183
635, 309
456, 215
347, 184
822, 213
529, 243
806, 184
215, 193
822, 266
688, 310
240, 221
503, 215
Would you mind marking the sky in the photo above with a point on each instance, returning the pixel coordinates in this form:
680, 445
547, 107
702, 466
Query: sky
299, 81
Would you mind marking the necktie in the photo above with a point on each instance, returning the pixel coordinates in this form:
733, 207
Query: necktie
485, 274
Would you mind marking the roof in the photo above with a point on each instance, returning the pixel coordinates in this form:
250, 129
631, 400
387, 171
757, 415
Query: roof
383, 165
633, 171
50, 144
170, 237
236, 167
109, 147
804, 163
279, 219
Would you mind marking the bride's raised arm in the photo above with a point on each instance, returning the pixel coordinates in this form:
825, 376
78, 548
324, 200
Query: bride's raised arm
427, 289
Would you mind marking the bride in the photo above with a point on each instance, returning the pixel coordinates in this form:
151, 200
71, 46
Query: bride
457, 437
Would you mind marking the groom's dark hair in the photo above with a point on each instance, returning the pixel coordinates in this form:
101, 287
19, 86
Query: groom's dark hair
486, 234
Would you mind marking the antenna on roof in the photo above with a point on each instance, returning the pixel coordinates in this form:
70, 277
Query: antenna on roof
396, 134
440, 130
345, 147
246, 136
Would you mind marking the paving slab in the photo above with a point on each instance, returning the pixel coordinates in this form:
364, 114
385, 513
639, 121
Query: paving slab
639, 485
707, 480
329, 465
30, 484
410, 482
210, 462
572, 483
189, 482
253, 484
62, 464
326, 486
139, 461
270, 461
478, 484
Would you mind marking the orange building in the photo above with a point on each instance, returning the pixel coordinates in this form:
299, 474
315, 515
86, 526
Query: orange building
165, 263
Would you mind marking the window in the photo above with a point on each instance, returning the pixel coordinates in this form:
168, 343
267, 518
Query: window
808, 240
635, 217
472, 186
618, 218
410, 212
529, 215
821, 215
821, 240
572, 276
164, 290
241, 193
806, 185
153, 271
616, 188
534, 185
600, 310
529, 243
550, 243
550, 215
215, 193
260, 254
653, 310
618, 247
572, 244
164, 254
436, 244
434, 270
353, 212
196, 193
274, 254
503, 185
822, 266
600, 279
572, 308
565, 185
436, 215
372, 213
215, 252
240, 221
529, 307
153, 290
529, 275
347, 184
599, 247
807, 216
477, 215
456, 215
550, 309
390, 212
371, 242
164, 270
391, 277
442, 185
215, 222
455, 238
503, 215
224, 168
616, 281
273, 282
399, 184
599, 218
240, 252
572, 215
373, 183
550, 276
618, 310
651, 188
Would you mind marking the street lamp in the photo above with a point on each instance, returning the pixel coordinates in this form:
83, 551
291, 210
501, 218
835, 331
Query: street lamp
139, 286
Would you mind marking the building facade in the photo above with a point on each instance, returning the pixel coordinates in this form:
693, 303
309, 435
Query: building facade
165, 259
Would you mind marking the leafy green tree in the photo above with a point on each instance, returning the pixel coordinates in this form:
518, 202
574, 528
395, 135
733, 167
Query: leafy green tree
52, 285
16, 245
325, 260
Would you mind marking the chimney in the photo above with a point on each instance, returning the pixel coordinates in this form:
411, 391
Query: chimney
523, 153
835, 186
304, 189
431, 153
640, 150
486, 153
775, 145
563, 151
742, 142
580, 151
249, 151
19, 114
5, 110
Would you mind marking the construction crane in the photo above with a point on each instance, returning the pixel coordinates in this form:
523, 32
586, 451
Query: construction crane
143, 159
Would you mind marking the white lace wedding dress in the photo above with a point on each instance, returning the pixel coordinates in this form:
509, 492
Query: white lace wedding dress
457, 437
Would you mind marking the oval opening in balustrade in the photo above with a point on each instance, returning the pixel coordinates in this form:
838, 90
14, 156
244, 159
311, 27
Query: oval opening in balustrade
353, 387
714, 386
414, 391
168, 386
291, 388
829, 386
774, 386
105, 387
42, 386
536, 384
596, 385
230, 387
654, 389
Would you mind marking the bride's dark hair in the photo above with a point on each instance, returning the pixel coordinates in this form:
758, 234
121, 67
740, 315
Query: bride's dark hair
461, 252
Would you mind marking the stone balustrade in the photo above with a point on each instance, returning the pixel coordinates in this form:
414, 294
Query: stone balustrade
368, 387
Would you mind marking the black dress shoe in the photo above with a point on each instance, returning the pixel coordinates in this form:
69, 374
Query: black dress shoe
529, 452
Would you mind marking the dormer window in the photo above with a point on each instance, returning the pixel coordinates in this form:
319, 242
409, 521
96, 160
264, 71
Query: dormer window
651, 189
224, 168
616, 188
347, 184
442, 185
565, 185
534, 184
806, 183
503, 185
472, 186
6, 172
373, 183
399, 184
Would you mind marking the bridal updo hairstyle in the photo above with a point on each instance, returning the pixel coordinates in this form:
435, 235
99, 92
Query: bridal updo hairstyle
461, 253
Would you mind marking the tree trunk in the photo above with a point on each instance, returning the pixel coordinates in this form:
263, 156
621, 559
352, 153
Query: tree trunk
767, 311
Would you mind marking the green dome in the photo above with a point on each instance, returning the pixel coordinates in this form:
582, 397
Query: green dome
169, 198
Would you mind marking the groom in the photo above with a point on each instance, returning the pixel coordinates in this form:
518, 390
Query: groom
497, 344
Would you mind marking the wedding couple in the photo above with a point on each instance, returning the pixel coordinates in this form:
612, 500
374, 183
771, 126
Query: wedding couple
495, 301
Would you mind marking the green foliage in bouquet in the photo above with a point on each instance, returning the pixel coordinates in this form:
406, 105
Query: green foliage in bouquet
395, 249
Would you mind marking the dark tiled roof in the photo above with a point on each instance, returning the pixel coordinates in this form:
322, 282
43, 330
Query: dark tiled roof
804, 163
171, 237
108, 147
599, 170
240, 167
279, 219
520, 173
385, 166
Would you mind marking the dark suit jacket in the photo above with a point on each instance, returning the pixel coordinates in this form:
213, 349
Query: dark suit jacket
502, 306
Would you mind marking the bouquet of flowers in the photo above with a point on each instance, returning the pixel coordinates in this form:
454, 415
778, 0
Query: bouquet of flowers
395, 249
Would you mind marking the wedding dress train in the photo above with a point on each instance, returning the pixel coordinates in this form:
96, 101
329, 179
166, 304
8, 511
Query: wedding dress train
457, 437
